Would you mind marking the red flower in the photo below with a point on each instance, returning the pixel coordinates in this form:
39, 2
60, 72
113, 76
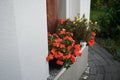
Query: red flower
93, 33
56, 44
76, 52
53, 50
55, 35
64, 57
62, 32
77, 47
68, 56
72, 59
49, 34
59, 62
91, 42
56, 55
62, 46
69, 38
58, 40
62, 21
92, 38
69, 47
50, 57
60, 54
71, 34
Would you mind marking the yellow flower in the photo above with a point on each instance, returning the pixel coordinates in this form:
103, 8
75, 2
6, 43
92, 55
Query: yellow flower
64, 29
73, 22
80, 20
95, 22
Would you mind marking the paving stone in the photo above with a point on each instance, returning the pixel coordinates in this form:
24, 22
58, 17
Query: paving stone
97, 62
111, 69
91, 57
106, 53
108, 76
116, 63
109, 61
91, 64
93, 70
98, 57
99, 77
115, 76
100, 69
103, 62
91, 77
102, 65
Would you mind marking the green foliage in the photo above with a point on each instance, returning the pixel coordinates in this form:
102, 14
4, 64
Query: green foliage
81, 28
110, 25
117, 55
98, 4
109, 21
112, 46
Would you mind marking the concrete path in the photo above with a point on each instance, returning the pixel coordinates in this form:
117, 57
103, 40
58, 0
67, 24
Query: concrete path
101, 65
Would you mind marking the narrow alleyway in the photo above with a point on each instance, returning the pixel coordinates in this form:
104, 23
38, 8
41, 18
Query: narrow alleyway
101, 65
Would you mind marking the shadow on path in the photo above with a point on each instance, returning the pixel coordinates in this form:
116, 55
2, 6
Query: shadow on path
101, 65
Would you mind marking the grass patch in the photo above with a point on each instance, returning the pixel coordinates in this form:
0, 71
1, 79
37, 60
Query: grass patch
94, 14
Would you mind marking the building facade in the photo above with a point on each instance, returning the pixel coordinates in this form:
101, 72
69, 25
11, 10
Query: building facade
23, 36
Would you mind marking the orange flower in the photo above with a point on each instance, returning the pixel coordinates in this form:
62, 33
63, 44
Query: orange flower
50, 57
60, 54
72, 59
69, 47
68, 38
92, 38
55, 35
56, 44
68, 56
59, 62
56, 55
80, 54
62, 46
62, 21
49, 34
91, 42
71, 34
64, 57
76, 52
53, 50
58, 40
62, 32
93, 33
77, 47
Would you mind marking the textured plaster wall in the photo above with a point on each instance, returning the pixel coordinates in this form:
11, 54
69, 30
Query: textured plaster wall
85, 8
23, 40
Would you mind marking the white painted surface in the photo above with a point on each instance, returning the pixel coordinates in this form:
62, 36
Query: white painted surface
76, 69
72, 8
30, 17
23, 40
9, 58
64, 69
85, 8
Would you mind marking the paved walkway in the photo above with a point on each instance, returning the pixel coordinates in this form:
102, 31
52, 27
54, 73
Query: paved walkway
101, 65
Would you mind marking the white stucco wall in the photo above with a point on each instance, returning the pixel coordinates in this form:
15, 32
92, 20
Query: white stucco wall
23, 40
85, 8
9, 55
72, 8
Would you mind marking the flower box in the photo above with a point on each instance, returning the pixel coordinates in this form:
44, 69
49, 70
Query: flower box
75, 70
64, 47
